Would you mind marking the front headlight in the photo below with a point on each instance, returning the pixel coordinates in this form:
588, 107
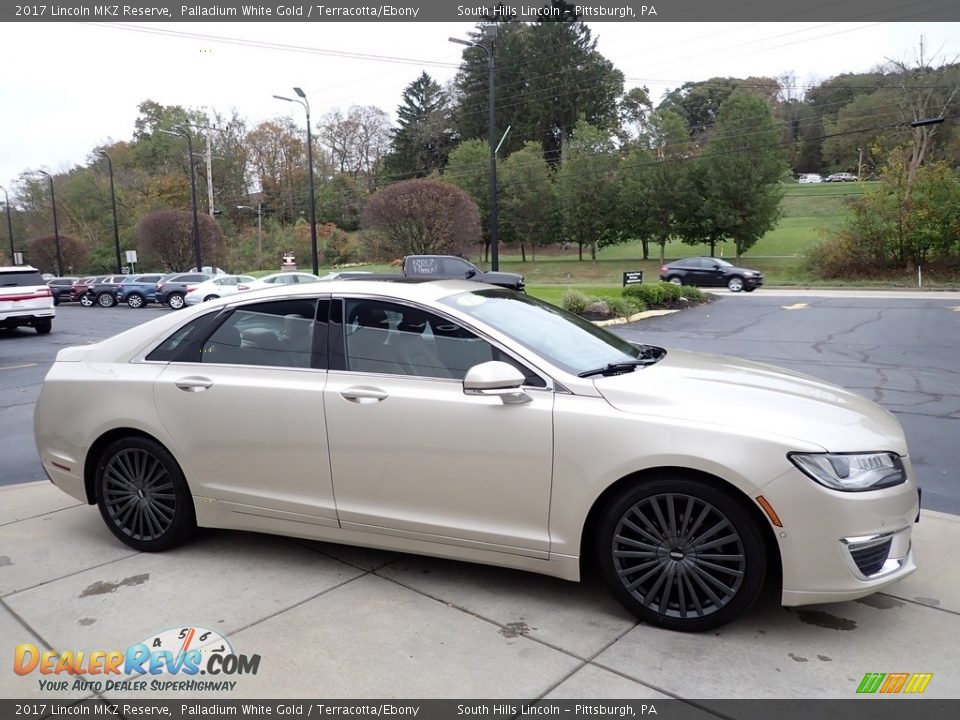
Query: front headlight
853, 472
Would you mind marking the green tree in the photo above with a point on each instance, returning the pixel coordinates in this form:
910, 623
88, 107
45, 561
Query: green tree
526, 199
547, 75
740, 173
586, 189
425, 133
468, 167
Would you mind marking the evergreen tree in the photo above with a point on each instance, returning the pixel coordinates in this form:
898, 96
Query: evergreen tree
425, 135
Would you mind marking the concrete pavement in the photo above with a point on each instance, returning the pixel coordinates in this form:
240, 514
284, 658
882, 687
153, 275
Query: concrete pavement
337, 622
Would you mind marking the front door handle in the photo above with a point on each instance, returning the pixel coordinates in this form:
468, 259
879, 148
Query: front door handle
364, 395
193, 384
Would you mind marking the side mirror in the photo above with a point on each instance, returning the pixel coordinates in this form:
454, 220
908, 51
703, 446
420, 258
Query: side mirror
470, 273
496, 378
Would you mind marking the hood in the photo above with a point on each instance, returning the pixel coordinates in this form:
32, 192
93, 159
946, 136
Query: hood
756, 398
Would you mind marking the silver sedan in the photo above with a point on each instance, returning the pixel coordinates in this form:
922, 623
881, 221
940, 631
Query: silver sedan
467, 421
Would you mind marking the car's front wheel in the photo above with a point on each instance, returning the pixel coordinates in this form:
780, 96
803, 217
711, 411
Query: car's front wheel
86, 301
135, 301
143, 496
735, 284
681, 554
106, 300
175, 301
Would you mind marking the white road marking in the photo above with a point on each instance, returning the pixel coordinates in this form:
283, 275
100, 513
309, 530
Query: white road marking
15, 367
795, 306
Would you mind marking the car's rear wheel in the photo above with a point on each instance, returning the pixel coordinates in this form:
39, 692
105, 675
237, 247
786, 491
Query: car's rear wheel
208, 298
675, 280
735, 284
681, 554
143, 496
56, 299
86, 301
135, 301
43, 326
175, 301
106, 300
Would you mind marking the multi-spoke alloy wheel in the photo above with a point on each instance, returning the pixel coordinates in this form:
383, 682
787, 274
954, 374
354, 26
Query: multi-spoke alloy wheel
142, 495
681, 554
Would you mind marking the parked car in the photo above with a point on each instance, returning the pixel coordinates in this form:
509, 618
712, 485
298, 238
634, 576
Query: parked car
60, 288
25, 299
139, 290
280, 278
172, 289
711, 272
103, 291
78, 291
683, 476
810, 178
216, 287
841, 177
442, 267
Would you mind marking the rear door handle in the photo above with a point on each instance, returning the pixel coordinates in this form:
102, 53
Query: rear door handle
364, 395
193, 384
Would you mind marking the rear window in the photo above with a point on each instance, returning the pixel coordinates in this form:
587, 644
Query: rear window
20, 278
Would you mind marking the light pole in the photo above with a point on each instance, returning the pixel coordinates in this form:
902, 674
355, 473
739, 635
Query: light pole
113, 202
56, 226
492, 139
9, 224
259, 209
313, 201
182, 131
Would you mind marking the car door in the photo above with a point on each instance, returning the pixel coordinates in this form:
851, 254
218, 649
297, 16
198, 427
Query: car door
411, 454
244, 408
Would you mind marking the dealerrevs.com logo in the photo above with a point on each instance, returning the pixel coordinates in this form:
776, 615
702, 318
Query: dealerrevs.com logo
173, 660
893, 683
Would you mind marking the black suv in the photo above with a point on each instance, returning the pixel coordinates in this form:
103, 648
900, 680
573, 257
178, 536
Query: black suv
60, 287
103, 292
172, 288
711, 272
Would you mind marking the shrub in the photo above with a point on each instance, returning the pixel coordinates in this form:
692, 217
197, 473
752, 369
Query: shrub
670, 292
625, 306
649, 294
691, 292
575, 301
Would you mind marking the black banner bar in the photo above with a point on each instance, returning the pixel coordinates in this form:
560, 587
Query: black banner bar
138, 11
188, 709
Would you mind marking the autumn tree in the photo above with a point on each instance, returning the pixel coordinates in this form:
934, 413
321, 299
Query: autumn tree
43, 254
421, 217
358, 142
165, 239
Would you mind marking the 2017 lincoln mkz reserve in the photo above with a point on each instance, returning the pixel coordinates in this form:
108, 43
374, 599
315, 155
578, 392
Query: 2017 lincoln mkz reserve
471, 422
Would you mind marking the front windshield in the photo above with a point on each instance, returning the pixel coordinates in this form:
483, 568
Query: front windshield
565, 340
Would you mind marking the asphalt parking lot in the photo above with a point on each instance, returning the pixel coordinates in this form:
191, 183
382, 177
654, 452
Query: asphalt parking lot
338, 622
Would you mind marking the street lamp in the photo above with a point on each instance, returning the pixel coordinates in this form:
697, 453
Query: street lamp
313, 202
9, 224
492, 139
56, 226
259, 211
182, 131
113, 201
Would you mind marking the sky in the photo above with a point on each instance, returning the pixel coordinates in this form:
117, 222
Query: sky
66, 88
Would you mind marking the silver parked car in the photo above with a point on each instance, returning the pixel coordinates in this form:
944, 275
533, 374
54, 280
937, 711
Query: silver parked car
471, 422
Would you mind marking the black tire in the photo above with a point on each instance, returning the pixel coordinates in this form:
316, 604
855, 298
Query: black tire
735, 284
175, 301
675, 280
749, 289
652, 557
56, 299
43, 326
106, 300
135, 301
86, 301
143, 496
208, 298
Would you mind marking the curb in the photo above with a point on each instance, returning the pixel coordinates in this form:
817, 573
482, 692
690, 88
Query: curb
633, 318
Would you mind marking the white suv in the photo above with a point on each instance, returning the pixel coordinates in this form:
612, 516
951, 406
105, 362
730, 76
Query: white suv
25, 299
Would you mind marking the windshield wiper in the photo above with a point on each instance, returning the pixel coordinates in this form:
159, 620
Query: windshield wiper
618, 368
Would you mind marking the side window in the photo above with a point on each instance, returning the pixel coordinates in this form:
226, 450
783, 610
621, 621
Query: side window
456, 266
178, 341
394, 339
275, 334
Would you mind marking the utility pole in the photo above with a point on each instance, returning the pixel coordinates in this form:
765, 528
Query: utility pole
209, 173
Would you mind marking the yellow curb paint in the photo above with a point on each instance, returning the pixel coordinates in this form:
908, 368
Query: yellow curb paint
633, 318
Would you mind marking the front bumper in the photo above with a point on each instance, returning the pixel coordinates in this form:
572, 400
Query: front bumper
837, 546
